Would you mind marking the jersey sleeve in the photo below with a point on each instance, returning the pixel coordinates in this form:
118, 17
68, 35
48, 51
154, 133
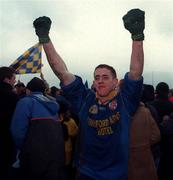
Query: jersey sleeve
131, 91
75, 93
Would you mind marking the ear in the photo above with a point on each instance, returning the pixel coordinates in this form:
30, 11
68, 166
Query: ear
115, 82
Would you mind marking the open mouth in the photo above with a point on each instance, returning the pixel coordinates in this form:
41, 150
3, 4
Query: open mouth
101, 87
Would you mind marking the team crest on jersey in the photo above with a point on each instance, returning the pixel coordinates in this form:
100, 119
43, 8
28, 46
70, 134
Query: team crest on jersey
113, 105
93, 109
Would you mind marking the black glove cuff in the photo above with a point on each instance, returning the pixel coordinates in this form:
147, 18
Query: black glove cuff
43, 40
138, 37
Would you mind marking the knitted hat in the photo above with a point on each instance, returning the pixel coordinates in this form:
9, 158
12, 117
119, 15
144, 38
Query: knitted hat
36, 84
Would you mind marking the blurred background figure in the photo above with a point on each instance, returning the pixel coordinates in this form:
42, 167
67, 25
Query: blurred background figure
8, 100
165, 169
147, 93
148, 96
38, 136
20, 89
54, 91
170, 95
70, 130
144, 132
161, 102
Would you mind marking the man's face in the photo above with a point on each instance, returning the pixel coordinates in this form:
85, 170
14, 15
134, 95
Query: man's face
20, 90
104, 82
11, 80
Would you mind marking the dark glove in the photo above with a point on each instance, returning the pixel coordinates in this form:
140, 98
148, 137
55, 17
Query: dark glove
42, 27
134, 22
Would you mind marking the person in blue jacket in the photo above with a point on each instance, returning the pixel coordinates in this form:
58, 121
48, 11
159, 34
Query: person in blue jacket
38, 135
103, 142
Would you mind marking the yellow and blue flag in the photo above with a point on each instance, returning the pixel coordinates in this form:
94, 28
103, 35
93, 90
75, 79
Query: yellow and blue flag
29, 61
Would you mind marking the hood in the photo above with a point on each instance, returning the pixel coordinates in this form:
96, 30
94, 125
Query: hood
51, 105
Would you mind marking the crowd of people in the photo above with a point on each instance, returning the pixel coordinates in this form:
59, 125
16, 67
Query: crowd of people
115, 130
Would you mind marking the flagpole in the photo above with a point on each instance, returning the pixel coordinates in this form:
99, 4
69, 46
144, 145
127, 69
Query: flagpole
19, 78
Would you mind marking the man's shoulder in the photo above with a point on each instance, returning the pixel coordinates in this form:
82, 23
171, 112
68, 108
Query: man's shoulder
26, 100
9, 96
91, 95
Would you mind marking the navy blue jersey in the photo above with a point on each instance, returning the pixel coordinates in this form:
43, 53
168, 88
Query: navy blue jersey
104, 129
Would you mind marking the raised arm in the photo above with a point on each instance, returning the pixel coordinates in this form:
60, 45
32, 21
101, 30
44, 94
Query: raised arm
135, 24
137, 60
42, 27
57, 64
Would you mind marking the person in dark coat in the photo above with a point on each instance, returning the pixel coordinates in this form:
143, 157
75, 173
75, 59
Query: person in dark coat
8, 100
162, 103
165, 169
147, 98
164, 108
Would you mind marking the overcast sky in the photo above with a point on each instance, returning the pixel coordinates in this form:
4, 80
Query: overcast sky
89, 32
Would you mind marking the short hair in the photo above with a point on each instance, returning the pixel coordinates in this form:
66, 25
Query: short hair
36, 84
147, 93
6, 72
110, 68
20, 84
54, 89
162, 90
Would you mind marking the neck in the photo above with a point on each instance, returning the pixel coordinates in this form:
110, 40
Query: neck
103, 100
106, 99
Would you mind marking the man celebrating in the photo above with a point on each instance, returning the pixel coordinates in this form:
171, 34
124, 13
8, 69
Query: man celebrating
102, 150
